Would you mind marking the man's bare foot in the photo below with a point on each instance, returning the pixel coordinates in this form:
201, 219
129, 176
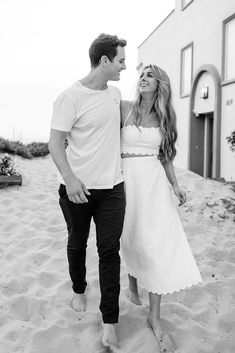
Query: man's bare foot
109, 337
134, 297
164, 341
79, 302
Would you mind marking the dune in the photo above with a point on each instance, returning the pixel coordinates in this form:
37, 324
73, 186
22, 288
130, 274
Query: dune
35, 289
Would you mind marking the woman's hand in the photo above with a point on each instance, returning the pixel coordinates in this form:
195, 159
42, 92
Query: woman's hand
180, 194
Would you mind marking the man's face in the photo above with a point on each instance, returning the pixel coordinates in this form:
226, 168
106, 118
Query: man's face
117, 65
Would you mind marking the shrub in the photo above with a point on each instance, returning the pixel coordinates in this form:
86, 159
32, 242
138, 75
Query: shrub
14, 147
38, 149
23, 151
231, 141
34, 149
6, 146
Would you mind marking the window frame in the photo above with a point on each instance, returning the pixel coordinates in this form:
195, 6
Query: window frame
182, 94
226, 81
183, 7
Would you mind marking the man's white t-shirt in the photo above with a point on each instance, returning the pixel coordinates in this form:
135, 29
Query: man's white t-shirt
92, 120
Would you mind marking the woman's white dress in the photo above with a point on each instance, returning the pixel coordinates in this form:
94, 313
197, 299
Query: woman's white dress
153, 243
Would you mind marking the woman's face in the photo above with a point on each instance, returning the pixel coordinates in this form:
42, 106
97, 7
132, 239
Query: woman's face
147, 81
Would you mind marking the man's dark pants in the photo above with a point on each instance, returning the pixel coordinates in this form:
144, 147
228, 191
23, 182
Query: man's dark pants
107, 207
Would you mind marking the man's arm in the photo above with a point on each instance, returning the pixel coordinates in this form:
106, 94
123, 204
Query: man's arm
75, 188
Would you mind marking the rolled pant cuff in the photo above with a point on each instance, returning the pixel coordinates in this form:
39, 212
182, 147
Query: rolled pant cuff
110, 321
79, 291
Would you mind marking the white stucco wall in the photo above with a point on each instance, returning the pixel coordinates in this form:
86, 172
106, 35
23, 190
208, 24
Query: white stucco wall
201, 23
227, 126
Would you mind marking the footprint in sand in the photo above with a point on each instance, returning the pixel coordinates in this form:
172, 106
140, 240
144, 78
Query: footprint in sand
57, 229
11, 288
40, 197
55, 339
19, 309
10, 227
40, 258
47, 280
13, 335
7, 202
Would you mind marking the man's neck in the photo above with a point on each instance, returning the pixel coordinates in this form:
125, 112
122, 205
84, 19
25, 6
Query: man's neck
94, 80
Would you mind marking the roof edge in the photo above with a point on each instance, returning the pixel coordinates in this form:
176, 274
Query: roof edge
156, 28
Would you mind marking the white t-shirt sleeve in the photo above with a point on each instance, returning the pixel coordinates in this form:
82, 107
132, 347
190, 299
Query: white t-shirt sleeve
115, 92
64, 113
119, 94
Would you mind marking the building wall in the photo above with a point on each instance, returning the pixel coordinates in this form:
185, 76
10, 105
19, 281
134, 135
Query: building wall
200, 22
228, 125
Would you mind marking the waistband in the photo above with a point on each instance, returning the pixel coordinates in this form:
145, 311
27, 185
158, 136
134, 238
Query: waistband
139, 150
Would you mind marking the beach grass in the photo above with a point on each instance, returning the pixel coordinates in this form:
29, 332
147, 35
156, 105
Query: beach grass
31, 150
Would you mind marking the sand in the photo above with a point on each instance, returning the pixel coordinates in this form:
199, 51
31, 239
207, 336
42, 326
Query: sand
35, 289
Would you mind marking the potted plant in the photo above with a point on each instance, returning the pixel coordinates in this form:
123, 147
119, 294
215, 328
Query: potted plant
231, 141
8, 174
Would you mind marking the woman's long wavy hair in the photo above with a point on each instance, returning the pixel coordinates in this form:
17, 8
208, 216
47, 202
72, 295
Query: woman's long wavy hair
165, 114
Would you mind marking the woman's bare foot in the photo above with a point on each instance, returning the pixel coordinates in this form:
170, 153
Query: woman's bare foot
134, 297
109, 337
164, 341
79, 302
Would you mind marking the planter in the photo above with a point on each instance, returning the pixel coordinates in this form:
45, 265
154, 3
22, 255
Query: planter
10, 180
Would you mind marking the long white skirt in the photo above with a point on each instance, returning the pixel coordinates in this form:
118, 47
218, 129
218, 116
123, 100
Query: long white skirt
153, 243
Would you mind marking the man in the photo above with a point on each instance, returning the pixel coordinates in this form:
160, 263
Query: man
88, 116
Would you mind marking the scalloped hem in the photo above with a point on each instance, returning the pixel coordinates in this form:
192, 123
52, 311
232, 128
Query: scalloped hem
169, 291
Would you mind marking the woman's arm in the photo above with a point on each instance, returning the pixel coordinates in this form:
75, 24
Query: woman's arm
170, 173
125, 108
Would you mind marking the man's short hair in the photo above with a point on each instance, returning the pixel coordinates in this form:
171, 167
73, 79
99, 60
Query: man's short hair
104, 44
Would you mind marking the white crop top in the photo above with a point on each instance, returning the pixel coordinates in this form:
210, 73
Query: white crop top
140, 140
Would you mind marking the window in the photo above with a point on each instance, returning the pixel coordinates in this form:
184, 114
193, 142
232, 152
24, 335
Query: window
186, 69
229, 49
185, 3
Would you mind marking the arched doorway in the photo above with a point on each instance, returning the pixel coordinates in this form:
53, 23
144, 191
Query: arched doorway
204, 124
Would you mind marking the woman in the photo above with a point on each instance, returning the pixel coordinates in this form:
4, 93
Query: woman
154, 245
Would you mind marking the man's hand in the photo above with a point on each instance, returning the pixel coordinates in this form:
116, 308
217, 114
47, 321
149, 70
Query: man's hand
76, 190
